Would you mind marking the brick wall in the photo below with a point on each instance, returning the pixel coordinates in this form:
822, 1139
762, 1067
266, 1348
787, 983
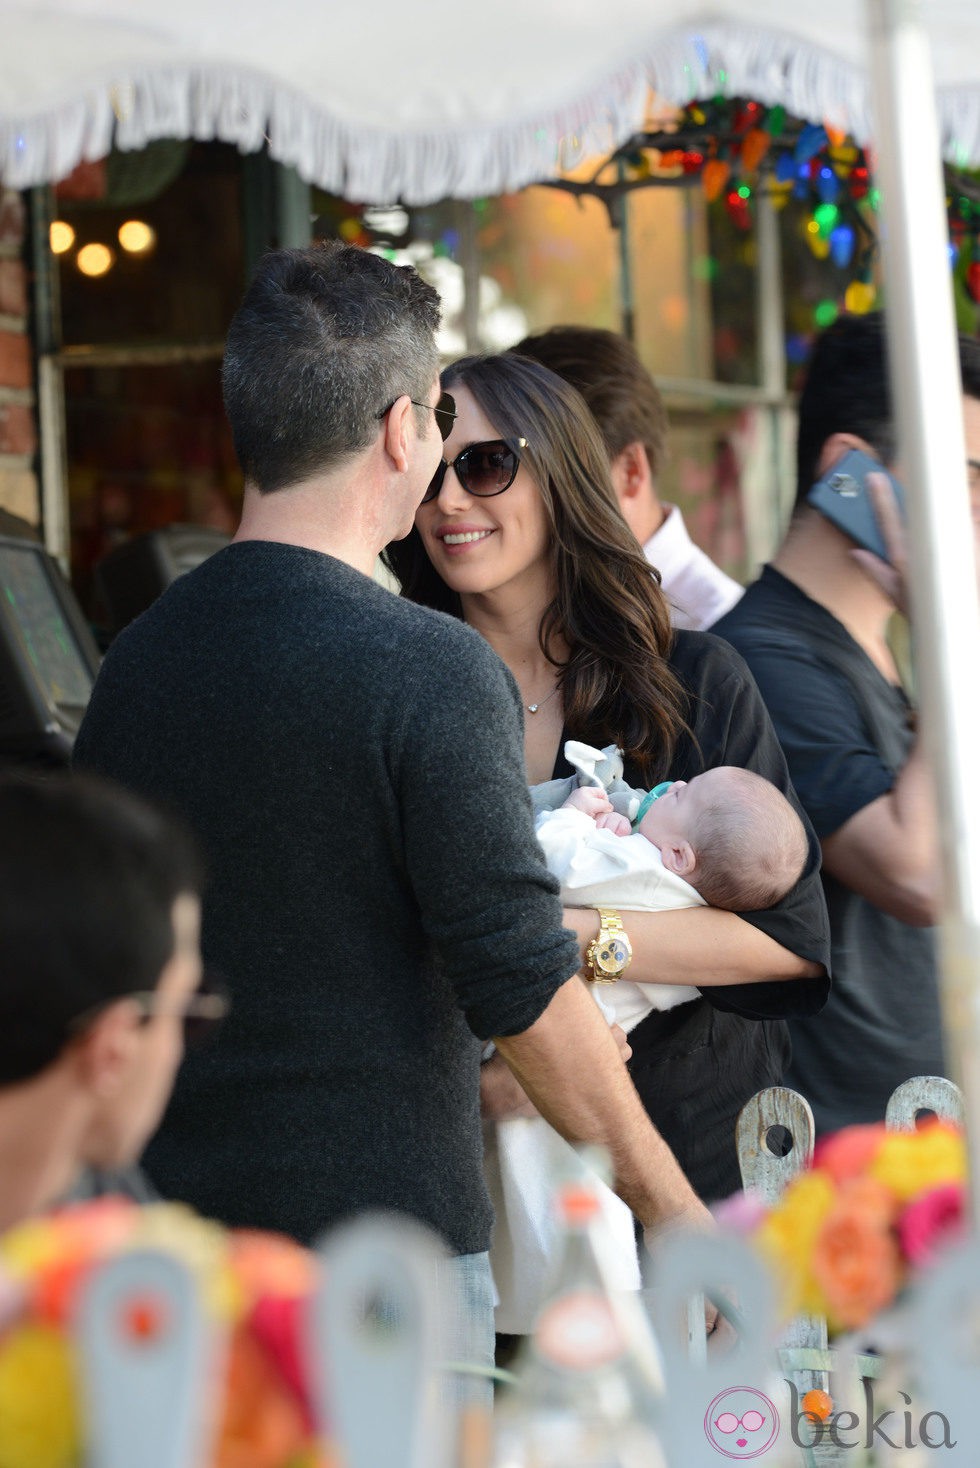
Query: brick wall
18, 425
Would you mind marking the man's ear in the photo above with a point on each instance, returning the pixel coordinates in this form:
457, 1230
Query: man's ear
630, 471
836, 446
104, 1053
679, 858
398, 432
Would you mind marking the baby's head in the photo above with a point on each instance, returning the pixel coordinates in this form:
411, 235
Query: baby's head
731, 834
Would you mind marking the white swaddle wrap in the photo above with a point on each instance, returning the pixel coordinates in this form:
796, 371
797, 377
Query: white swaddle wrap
598, 869
523, 1157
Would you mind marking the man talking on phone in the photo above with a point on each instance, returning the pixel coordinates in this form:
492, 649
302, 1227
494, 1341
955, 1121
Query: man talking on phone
815, 631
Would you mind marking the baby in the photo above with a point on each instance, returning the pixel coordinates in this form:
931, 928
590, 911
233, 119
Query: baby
727, 838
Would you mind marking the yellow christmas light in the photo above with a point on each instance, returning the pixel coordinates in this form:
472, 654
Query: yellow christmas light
94, 260
860, 296
61, 236
136, 237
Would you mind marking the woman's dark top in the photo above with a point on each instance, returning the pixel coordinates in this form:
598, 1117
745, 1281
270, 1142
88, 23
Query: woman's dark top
695, 1066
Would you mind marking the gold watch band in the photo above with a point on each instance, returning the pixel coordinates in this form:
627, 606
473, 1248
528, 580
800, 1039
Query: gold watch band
610, 927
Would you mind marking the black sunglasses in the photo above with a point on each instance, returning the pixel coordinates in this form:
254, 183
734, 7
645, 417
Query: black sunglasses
201, 1012
482, 469
445, 411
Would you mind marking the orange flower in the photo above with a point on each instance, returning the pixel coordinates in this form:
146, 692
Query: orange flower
262, 1424
856, 1258
271, 1264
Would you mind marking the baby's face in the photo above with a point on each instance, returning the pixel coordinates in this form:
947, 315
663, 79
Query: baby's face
674, 817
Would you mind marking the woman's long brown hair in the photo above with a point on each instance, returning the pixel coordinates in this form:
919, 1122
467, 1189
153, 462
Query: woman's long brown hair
617, 686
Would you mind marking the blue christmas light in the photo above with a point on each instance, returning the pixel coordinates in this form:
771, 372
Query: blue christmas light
808, 144
785, 168
828, 185
842, 245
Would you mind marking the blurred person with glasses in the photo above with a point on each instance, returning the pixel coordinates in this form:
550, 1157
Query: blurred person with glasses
100, 977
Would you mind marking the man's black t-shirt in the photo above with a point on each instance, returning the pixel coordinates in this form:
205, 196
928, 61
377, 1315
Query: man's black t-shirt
846, 732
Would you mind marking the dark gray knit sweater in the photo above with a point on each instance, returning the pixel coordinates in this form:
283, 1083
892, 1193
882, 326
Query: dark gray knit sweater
353, 766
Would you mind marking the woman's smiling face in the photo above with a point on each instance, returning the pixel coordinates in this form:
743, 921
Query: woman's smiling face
481, 544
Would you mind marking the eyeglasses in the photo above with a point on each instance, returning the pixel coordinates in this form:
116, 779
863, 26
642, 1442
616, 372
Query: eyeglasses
973, 474
482, 469
444, 409
200, 1012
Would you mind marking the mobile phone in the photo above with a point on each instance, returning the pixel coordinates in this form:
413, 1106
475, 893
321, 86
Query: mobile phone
842, 497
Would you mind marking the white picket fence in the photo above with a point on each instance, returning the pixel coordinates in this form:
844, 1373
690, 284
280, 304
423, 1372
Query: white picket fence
379, 1391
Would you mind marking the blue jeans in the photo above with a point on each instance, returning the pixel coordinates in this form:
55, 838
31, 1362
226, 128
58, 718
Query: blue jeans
467, 1287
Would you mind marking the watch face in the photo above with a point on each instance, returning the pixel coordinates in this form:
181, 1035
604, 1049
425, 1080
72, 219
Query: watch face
612, 956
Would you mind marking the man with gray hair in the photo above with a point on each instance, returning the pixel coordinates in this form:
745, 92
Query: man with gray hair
305, 721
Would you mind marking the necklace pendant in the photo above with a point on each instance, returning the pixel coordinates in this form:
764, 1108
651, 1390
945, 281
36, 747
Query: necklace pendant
532, 708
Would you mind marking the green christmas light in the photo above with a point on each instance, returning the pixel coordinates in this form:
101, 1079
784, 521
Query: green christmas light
743, 191
825, 313
776, 121
705, 267
826, 216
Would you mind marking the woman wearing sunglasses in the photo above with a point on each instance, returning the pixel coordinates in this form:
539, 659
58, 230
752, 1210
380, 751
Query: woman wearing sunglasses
521, 536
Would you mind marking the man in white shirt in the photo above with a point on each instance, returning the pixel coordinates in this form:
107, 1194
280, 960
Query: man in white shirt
629, 410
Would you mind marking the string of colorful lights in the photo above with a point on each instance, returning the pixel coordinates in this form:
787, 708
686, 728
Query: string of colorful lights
736, 149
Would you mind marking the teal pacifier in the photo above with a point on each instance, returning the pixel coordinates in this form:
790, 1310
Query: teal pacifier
648, 800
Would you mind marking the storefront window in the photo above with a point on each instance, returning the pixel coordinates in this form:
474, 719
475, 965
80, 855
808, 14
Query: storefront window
150, 268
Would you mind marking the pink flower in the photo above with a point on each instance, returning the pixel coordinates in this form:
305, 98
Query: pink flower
931, 1222
741, 1213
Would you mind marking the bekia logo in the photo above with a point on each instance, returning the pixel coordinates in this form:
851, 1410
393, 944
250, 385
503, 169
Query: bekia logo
741, 1423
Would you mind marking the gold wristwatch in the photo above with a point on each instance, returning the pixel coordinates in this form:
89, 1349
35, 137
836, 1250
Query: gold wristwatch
608, 955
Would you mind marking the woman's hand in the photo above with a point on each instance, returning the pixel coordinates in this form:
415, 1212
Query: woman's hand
501, 1095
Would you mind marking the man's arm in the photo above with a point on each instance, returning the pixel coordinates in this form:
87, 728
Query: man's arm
877, 828
888, 852
595, 1101
501, 1094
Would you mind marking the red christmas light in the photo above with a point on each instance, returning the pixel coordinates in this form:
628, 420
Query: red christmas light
860, 182
973, 280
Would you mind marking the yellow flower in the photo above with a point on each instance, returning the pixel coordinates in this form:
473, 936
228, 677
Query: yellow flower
39, 1425
200, 1244
787, 1237
910, 1163
29, 1247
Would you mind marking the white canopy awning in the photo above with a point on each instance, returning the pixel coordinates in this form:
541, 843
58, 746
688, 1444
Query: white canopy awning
429, 100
